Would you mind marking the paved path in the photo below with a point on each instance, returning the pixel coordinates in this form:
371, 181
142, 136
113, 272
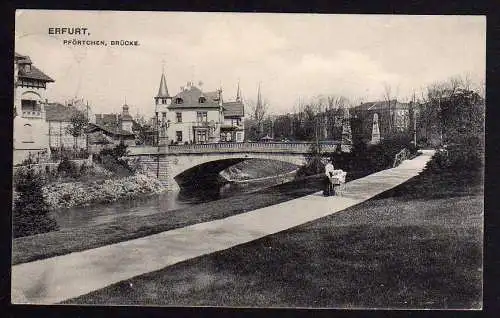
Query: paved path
63, 277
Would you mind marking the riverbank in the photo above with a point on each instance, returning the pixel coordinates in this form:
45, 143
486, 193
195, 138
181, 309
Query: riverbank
31, 248
257, 169
77, 193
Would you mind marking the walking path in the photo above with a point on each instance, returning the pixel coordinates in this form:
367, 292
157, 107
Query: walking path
63, 277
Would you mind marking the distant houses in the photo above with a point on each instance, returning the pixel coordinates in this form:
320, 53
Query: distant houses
393, 117
58, 117
110, 130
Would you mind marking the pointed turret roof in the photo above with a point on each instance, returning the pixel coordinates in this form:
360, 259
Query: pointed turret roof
259, 97
238, 93
163, 91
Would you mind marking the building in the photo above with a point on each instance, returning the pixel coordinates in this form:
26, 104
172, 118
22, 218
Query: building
58, 118
30, 128
363, 115
110, 130
195, 116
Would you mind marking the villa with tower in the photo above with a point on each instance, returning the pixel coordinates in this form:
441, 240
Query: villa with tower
196, 116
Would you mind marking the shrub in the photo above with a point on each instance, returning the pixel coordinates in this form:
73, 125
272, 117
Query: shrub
468, 155
30, 214
84, 169
111, 159
314, 164
68, 168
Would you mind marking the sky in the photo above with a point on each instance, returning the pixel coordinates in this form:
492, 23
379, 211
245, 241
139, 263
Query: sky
292, 56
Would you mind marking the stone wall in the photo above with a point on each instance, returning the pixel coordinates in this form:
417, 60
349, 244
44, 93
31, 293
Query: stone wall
72, 194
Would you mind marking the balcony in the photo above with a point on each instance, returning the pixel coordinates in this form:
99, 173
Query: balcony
32, 114
31, 109
232, 126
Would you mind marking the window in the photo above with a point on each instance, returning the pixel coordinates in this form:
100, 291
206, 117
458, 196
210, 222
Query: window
235, 122
201, 100
28, 104
163, 115
201, 136
179, 117
179, 135
178, 100
201, 117
163, 100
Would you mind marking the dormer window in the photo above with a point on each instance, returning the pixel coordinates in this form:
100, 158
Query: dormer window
178, 100
202, 100
27, 68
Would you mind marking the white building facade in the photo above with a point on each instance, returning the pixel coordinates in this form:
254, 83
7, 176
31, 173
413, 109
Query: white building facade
31, 138
195, 116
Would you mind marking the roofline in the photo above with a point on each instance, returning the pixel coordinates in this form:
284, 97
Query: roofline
50, 80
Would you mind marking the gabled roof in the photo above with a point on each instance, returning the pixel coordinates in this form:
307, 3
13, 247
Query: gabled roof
191, 99
34, 73
99, 138
114, 130
22, 58
58, 112
233, 109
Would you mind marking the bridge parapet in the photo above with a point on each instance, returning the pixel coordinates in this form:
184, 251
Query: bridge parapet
268, 147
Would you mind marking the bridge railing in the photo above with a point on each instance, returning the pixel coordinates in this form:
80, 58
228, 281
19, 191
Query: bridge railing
256, 147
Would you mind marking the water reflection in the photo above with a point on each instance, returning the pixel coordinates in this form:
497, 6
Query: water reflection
208, 191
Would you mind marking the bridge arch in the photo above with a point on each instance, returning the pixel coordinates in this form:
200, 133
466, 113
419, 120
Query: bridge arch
183, 170
173, 163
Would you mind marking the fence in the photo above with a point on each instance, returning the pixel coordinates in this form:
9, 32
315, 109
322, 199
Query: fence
400, 157
51, 166
234, 147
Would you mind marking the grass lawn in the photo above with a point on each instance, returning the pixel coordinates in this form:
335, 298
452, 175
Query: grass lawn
416, 246
30, 248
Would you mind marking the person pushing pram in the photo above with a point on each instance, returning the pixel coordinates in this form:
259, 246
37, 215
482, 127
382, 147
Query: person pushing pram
333, 178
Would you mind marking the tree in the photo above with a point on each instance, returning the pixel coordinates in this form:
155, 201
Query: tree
258, 112
78, 123
31, 213
142, 129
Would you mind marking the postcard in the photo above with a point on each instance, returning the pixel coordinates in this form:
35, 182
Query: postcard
248, 160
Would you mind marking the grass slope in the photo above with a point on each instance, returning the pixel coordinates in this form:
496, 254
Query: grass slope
416, 246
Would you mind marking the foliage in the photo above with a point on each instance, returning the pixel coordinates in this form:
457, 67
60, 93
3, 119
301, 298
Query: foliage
68, 168
112, 159
59, 154
143, 131
30, 213
314, 163
466, 156
77, 125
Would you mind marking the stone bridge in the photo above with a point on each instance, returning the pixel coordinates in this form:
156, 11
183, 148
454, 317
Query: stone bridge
182, 165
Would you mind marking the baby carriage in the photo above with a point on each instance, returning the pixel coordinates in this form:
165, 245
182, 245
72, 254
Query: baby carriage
336, 179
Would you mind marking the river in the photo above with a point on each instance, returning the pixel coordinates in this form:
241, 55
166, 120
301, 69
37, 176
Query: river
167, 201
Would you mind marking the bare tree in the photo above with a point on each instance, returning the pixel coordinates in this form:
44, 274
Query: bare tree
388, 97
258, 112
